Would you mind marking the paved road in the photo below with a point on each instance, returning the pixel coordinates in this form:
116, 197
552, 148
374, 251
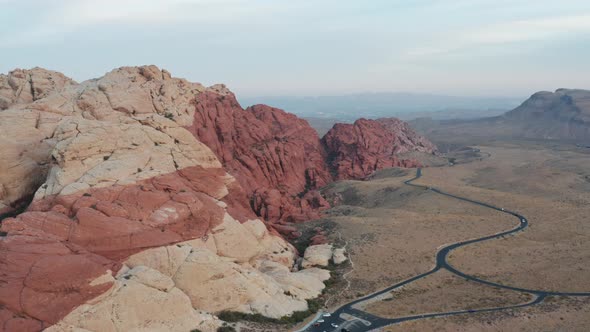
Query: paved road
363, 319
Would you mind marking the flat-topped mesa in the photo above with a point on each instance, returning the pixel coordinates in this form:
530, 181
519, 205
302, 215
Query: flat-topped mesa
359, 149
563, 114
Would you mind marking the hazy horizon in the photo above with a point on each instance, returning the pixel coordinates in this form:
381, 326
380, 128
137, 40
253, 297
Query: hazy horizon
475, 48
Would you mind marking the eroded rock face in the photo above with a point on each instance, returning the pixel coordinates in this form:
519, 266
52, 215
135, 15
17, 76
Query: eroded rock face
359, 149
275, 156
146, 188
117, 179
89, 232
142, 99
317, 255
322, 255
141, 299
22, 86
161, 288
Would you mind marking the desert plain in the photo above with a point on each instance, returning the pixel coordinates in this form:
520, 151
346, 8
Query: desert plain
392, 232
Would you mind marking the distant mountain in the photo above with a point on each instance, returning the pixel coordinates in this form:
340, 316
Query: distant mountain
560, 115
564, 113
376, 105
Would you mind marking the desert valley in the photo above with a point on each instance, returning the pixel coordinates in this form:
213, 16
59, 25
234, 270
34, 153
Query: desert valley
302, 166
141, 201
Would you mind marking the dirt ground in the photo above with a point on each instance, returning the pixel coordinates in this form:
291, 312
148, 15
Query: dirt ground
443, 292
555, 314
392, 232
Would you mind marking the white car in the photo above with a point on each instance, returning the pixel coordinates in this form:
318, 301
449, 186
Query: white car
334, 325
321, 321
327, 314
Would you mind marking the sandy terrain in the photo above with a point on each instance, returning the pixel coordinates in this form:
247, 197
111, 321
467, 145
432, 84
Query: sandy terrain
442, 292
393, 232
550, 189
555, 314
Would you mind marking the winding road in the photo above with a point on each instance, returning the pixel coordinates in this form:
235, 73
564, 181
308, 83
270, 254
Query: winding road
363, 321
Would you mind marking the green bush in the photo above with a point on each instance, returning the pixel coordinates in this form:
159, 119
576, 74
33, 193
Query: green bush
226, 329
234, 316
296, 317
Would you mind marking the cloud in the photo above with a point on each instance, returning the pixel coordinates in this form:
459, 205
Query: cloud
67, 16
89, 12
541, 29
528, 30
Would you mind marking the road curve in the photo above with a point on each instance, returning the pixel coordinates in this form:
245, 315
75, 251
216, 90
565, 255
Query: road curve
441, 263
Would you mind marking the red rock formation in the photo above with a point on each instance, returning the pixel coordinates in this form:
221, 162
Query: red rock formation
52, 252
119, 174
275, 156
357, 150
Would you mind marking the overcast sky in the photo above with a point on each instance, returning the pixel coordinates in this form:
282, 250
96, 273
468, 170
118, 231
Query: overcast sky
311, 47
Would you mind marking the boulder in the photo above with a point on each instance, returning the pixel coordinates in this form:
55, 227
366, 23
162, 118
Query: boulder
317, 255
339, 257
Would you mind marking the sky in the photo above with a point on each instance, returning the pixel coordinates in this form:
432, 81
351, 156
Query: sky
311, 47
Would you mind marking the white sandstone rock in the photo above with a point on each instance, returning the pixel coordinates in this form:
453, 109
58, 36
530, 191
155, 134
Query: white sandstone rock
338, 257
142, 301
317, 255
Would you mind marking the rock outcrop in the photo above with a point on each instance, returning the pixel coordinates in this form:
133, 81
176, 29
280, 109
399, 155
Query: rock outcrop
359, 149
143, 194
322, 254
239, 267
116, 180
141, 299
275, 156
26, 86
339, 256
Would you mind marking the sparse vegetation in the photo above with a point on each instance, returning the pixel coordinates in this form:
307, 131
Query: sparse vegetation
233, 316
226, 329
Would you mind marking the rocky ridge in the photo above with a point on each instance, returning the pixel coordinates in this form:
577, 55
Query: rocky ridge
359, 149
118, 181
276, 156
564, 114
140, 184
